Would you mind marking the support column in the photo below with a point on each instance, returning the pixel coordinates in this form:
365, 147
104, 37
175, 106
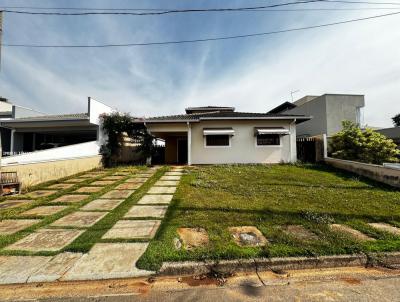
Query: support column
12, 142
189, 139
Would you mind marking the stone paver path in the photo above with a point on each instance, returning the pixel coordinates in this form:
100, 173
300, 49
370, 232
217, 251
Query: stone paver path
76, 180
11, 226
102, 205
128, 186
166, 183
386, 228
44, 211
135, 180
170, 177
162, 190
46, 240
17, 269
146, 211
89, 190
79, 219
40, 193
70, 198
155, 199
118, 194
139, 179
133, 229
109, 260
115, 177
8, 204
102, 182
173, 174
61, 186
351, 232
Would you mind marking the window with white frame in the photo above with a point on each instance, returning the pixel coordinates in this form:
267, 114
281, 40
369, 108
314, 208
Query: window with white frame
220, 140
268, 139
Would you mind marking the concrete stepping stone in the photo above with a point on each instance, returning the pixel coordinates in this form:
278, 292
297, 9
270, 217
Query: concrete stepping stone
173, 174
61, 186
118, 194
102, 205
248, 236
89, 189
17, 269
136, 180
76, 180
162, 190
55, 268
155, 199
299, 232
143, 175
102, 182
40, 193
166, 183
169, 177
11, 226
79, 219
115, 177
386, 228
133, 229
109, 261
70, 198
44, 211
191, 238
146, 211
123, 173
46, 240
9, 204
351, 232
128, 186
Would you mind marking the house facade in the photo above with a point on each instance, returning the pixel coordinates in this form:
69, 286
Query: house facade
220, 135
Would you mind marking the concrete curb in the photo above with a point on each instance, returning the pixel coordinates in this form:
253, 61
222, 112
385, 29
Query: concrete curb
289, 263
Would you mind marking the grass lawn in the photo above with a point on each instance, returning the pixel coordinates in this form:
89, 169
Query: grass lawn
269, 197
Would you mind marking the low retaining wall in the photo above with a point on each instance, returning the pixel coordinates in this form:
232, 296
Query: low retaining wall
35, 173
379, 173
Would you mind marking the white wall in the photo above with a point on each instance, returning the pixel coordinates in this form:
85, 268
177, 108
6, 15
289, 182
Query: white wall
243, 147
68, 152
95, 109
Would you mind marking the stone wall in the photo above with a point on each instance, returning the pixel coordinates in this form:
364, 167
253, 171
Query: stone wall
379, 173
35, 173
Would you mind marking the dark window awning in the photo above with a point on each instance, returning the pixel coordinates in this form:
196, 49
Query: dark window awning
218, 131
269, 130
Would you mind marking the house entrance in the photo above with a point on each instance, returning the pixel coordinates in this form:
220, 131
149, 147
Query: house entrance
182, 151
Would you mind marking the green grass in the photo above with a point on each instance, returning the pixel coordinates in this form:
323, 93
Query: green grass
217, 197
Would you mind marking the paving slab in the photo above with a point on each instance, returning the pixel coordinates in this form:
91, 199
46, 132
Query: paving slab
44, 210
46, 240
133, 229
102, 205
144, 175
351, 232
9, 204
136, 180
61, 186
109, 261
17, 269
89, 189
173, 174
166, 183
118, 194
146, 211
79, 219
55, 268
123, 173
162, 190
70, 198
299, 232
11, 226
248, 236
386, 228
40, 193
155, 199
191, 238
115, 177
170, 177
76, 180
102, 182
128, 186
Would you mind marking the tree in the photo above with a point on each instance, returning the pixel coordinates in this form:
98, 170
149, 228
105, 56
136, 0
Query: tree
396, 120
115, 125
367, 145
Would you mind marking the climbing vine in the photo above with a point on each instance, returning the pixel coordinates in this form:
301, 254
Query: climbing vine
115, 125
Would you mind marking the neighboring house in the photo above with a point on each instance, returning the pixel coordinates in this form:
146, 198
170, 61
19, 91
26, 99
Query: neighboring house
328, 112
39, 137
220, 135
392, 133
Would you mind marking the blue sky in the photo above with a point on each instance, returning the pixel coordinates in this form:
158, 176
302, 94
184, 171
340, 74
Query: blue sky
253, 74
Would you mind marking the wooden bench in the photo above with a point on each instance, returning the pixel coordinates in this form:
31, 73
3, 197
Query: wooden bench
9, 183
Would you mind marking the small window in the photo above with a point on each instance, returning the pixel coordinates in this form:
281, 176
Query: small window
268, 140
217, 140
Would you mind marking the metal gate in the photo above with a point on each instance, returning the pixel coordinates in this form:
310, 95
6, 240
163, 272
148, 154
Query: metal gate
307, 149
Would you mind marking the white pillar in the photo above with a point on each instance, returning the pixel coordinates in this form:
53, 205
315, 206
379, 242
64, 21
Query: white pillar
292, 138
325, 141
12, 142
189, 143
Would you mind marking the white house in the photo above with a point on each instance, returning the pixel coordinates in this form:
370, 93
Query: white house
220, 135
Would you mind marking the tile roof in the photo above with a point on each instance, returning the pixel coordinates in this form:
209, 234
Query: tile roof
51, 117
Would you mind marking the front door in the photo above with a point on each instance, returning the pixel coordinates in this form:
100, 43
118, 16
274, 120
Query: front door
182, 151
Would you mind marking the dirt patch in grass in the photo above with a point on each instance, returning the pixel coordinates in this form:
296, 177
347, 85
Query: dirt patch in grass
192, 237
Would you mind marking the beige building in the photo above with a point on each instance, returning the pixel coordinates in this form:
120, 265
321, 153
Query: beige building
220, 135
